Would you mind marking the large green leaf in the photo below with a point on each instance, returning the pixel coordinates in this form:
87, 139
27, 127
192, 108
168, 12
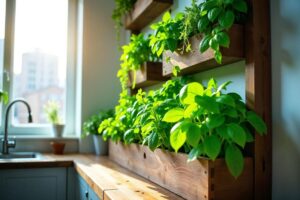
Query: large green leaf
166, 17
237, 134
240, 5
174, 115
256, 122
207, 103
177, 137
188, 92
226, 20
215, 121
214, 13
193, 133
234, 160
202, 24
212, 146
204, 44
223, 39
226, 99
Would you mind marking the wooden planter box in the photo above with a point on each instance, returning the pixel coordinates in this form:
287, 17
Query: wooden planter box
149, 74
194, 61
145, 11
197, 180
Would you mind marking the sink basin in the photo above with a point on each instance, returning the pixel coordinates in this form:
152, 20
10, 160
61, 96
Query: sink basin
21, 155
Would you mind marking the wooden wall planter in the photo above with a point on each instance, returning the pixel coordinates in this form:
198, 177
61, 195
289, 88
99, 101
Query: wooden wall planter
145, 11
195, 61
149, 74
198, 180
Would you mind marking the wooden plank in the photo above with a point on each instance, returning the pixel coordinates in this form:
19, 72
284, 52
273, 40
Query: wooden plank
149, 74
258, 91
172, 171
194, 61
145, 11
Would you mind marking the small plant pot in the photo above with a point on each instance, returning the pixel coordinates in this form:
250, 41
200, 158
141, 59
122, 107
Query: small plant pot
100, 145
58, 147
58, 130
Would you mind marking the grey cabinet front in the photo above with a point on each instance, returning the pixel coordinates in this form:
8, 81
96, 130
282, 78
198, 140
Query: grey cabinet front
33, 184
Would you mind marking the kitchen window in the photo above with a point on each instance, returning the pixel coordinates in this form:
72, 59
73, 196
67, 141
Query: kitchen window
38, 61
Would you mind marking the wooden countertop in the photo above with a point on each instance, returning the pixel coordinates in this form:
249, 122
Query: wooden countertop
109, 180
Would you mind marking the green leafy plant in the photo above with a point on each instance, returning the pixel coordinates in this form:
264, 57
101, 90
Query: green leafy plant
211, 123
134, 55
217, 17
121, 8
52, 112
4, 97
166, 33
91, 125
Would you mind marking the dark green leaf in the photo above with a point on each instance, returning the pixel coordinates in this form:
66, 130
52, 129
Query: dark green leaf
226, 20
234, 160
153, 141
226, 99
204, 44
213, 43
223, 39
214, 13
203, 24
129, 136
193, 133
214, 121
212, 146
218, 56
256, 122
240, 5
237, 134
207, 103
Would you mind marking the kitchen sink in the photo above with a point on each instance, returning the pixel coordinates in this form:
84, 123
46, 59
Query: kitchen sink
20, 155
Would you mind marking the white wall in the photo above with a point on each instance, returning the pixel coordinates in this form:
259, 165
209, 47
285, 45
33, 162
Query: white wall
100, 87
286, 98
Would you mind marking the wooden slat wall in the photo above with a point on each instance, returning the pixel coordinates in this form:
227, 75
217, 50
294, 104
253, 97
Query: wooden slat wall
258, 91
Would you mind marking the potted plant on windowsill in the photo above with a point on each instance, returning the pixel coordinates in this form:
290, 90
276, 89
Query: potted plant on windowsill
90, 127
52, 112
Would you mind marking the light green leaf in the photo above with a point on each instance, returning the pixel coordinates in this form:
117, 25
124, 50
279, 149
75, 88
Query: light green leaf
215, 121
166, 17
188, 113
234, 160
188, 92
195, 153
212, 146
174, 115
256, 122
237, 134
177, 137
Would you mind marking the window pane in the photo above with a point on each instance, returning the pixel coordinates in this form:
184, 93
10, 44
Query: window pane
2, 33
40, 50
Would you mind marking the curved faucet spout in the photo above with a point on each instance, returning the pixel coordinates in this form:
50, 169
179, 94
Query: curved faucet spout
6, 144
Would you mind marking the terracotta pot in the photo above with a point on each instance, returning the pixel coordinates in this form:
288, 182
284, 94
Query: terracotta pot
58, 147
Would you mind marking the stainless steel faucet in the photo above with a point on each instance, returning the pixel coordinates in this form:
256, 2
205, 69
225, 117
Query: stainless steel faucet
6, 143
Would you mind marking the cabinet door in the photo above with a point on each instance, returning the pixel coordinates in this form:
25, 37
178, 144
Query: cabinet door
33, 184
93, 195
81, 188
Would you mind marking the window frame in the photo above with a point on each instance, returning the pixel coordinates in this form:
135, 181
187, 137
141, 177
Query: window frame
40, 129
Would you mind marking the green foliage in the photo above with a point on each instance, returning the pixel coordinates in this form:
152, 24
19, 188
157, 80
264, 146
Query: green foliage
166, 34
211, 123
52, 111
134, 55
4, 97
217, 17
91, 125
186, 117
122, 7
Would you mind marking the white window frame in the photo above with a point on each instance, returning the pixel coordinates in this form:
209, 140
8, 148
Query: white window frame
42, 130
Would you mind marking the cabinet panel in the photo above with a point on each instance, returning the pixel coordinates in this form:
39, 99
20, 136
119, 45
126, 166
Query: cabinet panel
33, 184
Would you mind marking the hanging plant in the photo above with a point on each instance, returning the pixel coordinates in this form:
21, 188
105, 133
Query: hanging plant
134, 55
122, 7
